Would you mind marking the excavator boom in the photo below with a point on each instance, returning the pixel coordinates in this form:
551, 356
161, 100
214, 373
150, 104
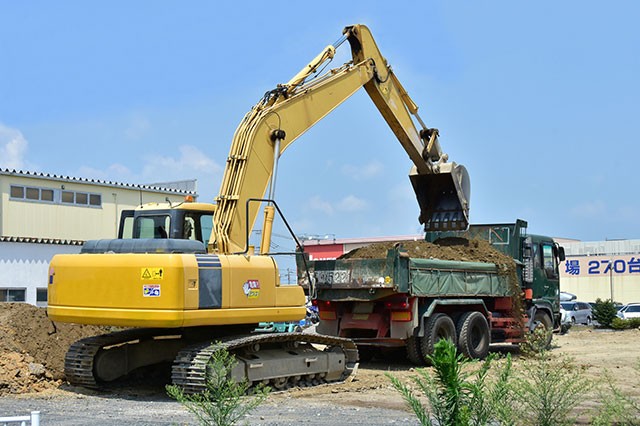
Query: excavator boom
442, 189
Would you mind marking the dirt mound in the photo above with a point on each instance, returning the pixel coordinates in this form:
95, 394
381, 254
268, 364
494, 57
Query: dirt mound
32, 347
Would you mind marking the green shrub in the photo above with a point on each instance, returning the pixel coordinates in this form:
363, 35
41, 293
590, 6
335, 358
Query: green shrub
604, 312
224, 402
549, 391
624, 324
456, 397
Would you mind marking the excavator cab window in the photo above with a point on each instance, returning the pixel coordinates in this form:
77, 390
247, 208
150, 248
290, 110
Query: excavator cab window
188, 230
155, 227
206, 226
197, 226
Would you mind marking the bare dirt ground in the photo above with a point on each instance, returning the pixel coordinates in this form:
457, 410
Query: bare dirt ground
32, 350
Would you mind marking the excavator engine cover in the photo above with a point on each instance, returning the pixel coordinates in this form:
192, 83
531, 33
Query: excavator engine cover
443, 198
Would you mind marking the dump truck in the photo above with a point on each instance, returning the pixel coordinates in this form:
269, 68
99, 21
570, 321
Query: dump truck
399, 300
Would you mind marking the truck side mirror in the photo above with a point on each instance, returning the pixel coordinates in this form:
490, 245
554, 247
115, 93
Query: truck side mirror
558, 251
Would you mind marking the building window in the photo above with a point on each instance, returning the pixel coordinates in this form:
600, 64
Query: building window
17, 191
81, 198
46, 195
41, 297
68, 197
49, 195
31, 193
12, 294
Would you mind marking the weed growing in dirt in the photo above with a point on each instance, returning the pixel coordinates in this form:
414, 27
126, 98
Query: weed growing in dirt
456, 397
617, 408
224, 402
543, 392
547, 389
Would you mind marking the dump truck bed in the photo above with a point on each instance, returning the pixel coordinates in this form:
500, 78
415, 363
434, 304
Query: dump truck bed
368, 279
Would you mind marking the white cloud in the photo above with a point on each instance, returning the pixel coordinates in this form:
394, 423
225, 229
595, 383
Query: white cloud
189, 163
115, 172
351, 203
401, 193
137, 128
318, 204
13, 148
191, 160
363, 172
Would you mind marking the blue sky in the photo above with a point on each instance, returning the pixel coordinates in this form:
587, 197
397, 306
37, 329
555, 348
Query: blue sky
537, 99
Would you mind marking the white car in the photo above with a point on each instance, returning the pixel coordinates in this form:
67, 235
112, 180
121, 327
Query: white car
632, 310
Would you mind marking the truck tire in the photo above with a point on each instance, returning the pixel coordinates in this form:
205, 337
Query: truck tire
413, 351
474, 336
439, 326
542, 319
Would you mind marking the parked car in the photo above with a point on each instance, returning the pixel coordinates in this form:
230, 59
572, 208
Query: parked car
632, 310
576, 312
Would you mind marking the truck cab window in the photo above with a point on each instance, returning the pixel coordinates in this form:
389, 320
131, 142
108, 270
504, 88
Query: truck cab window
537, 257
549, 261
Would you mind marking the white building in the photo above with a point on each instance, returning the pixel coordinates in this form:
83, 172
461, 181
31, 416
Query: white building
602, 270
44, 214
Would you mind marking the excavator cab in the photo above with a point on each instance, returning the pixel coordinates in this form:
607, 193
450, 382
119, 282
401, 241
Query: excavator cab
443, 197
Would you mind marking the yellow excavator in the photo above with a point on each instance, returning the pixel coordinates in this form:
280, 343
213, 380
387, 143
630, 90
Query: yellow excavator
183, 279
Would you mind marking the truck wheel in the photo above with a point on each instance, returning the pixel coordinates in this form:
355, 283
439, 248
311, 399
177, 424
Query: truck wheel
439, 326
473, 335
542, 321
413, 351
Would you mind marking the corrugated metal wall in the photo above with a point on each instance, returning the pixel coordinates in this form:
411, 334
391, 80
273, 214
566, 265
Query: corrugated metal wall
25, 218
602, 269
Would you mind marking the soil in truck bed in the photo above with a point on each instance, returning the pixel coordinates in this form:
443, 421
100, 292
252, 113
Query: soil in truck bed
445, 249
452, 248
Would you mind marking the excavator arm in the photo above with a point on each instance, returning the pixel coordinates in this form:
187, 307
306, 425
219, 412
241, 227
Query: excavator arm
285, 113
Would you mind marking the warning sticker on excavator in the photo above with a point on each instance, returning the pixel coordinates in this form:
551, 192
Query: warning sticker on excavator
151, 273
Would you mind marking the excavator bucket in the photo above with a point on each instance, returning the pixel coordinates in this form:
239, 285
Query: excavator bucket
443, 198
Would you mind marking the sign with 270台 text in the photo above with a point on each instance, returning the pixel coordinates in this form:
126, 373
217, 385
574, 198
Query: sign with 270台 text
593, 266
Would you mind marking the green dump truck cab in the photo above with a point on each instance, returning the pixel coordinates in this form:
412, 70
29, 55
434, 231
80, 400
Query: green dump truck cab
413, 302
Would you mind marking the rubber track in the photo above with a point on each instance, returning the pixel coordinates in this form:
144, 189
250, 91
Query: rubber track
190, 366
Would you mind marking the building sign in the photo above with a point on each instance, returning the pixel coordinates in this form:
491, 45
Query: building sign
594, 266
